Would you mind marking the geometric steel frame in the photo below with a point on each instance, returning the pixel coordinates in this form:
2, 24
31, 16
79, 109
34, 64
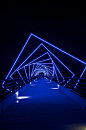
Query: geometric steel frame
43, 45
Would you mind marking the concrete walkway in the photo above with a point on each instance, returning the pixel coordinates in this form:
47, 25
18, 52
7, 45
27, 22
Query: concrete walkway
46, 109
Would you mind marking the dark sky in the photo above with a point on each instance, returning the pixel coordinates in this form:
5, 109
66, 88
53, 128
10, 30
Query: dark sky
63, 24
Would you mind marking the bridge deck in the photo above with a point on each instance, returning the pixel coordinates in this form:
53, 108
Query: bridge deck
45, 109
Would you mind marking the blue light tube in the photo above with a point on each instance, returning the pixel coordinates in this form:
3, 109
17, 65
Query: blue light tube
38, 69
25, 72
37, 66
29, 71
56, 66
69, 80
45, 42
43, 60
82, 72
38, 63
30, 55
49, 67
31, 61
18, 56
45, 63
21, 77
59, 71
24, 60
41, 67
59, 49
54, 70
49, 71
53, 66
80, 77
32, 69
44, 67
58, 59
38, 57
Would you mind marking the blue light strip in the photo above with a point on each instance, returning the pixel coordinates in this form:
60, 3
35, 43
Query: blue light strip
58, 59
59, 49
30, 55
82, 72
54, 70
31, 61
69, 80
32, 69
25, 72
18, 56
43, 60
56, 67
38, 57
29, 70
53, 64
34, 50
21, 77
39, 68
59, 71
80, 77
37, 62
45, 63
49, 67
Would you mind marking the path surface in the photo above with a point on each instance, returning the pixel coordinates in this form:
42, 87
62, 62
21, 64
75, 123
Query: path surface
46, 109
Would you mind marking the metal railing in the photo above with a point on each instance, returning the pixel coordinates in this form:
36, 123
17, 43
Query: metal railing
12, 85
75, 84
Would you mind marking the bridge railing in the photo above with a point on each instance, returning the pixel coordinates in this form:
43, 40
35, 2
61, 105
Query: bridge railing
78, 85
12, 85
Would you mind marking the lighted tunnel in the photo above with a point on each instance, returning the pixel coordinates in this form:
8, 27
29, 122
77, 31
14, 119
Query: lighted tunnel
39, 56
44, 85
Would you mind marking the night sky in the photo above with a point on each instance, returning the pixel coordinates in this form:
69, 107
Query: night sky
63, 24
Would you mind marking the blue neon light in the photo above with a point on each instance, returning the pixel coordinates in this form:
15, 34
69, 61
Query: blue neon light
21, 77
80, 77
30, 62
36, 49
59, 49
58, 59
18, 56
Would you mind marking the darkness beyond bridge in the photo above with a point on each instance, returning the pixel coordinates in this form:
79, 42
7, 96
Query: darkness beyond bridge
46, 108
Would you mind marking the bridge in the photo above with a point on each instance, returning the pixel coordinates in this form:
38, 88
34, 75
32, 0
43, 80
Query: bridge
38, 94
